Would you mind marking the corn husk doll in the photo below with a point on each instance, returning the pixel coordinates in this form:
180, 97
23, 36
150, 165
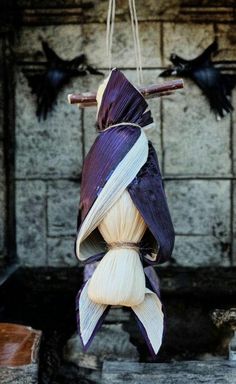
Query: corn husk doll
124, 221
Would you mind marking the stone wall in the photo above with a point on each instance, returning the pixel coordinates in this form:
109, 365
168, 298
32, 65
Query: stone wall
196, 152
2, 167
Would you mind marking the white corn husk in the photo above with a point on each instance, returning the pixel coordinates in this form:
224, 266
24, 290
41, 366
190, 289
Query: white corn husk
119, 277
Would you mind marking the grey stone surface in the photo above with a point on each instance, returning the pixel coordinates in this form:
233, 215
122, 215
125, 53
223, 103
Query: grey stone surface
183, 372
199, 251
148, 10
51, 148
200, 207
186, 39
226, 40
25, 374
234, 223
75, 12
61, 252
201, 215
2, 200
31, 222
123, 45
110, 343
63, 205
194, 142
90, 131
66, 40
71, 40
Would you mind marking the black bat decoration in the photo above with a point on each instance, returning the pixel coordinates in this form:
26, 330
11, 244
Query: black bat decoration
216, 86
47, 85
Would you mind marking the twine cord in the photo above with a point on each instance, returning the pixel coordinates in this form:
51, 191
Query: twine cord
135, 31
110, 30
124, 245
137, 47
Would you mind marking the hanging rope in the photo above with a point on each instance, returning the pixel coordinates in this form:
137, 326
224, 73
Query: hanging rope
110, 30
137, 48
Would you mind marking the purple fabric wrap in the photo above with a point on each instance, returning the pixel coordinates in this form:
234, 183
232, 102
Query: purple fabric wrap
122, 102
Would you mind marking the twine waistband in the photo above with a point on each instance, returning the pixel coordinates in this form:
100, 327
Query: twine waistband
118, 124
124, 245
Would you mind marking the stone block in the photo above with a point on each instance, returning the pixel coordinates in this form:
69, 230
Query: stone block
200, 207
51, 148
186, 39
201, 251
226, 35
110, 343
66, 40
195, 143
69, 41
123, 55
26, 374
61, 252
31, 222
148, 10
200, 210
63, 205
178, 372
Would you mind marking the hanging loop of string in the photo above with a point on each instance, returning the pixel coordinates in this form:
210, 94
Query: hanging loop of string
110, 30
137, 48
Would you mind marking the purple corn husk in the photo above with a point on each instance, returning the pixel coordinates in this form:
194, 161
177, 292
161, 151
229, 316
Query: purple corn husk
153, 280
106, 153
122, 102
148, 195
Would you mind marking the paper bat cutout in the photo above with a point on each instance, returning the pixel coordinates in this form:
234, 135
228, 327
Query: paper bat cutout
47, 85
216, 86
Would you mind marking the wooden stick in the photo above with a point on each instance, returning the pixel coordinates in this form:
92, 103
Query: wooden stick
168, 87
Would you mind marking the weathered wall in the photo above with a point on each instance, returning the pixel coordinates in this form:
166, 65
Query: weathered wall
2, 168
196, 152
